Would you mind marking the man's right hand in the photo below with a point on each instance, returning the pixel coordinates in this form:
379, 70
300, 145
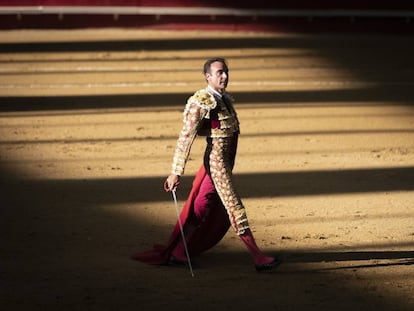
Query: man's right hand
171, 183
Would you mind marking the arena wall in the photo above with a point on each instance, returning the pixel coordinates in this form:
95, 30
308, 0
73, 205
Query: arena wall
318, 15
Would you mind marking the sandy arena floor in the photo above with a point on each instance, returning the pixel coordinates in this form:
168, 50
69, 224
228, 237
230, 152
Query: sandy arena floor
88, 124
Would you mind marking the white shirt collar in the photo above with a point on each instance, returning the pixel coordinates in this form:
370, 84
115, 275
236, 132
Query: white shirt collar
214, 91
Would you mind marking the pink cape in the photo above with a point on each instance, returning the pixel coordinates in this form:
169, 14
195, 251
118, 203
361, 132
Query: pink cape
208, 234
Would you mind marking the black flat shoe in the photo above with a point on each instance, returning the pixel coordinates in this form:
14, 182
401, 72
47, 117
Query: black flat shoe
267, 266
173, 261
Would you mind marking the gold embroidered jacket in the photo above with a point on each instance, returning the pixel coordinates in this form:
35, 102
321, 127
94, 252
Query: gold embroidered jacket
206, 115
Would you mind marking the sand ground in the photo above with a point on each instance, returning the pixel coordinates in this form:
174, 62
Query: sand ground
88, 124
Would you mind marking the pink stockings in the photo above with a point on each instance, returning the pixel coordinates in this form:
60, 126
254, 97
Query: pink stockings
258, 257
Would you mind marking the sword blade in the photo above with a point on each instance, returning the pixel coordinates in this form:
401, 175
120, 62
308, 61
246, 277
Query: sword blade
182, 232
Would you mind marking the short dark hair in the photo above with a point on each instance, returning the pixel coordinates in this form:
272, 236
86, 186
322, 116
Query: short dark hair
209, 61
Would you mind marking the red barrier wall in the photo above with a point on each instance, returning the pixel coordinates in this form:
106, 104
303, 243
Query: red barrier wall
387, 21
301, 4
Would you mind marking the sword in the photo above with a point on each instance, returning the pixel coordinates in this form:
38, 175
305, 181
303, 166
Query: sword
182, 232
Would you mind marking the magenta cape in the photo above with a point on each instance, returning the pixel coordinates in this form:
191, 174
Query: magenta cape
208, 234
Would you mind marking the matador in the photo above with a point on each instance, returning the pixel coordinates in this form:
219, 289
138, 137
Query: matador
213, 204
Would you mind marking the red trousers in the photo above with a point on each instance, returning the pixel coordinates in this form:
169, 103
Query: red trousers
206, 200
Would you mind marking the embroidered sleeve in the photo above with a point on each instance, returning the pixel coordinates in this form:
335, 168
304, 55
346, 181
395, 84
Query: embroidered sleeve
197, 108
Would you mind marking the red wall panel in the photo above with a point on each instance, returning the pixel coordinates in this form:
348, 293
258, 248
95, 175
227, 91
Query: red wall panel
298, 4
386, 22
